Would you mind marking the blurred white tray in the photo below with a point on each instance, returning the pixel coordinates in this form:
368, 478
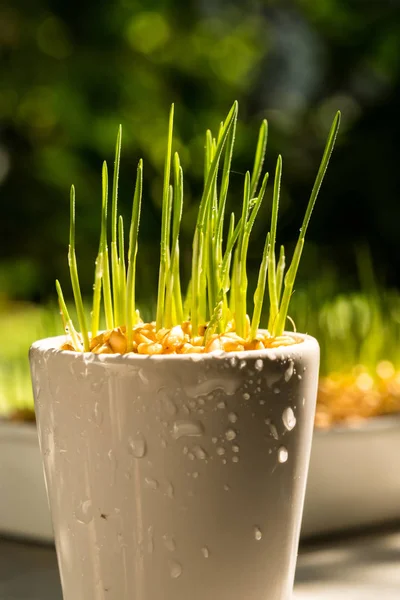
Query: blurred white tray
23, 501
354, 477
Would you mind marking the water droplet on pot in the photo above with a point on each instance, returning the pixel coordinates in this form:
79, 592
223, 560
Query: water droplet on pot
259, 365
233, 361
169, 406
235, 459
221, 405
205, 552
169, 543
272, 429
232, 417
230, 434
175, 570
98, 414
246, 396
170, 491
150, 539
235, 448
220, 451
137, 445
226, 487
242, 364
187, 428
84, 512
289, 371
199, 452
288, 418
282, 454
257, 533
195, 474
151, 483
214, 440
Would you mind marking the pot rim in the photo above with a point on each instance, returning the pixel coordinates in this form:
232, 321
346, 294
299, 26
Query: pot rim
52, 344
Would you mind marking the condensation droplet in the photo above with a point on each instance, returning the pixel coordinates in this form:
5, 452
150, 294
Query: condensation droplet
84, 512
205, 552
187, 428
221, 405
170, 491
137, 445
175, 569
230, 434
235, 459
235, 448
257, 533
151, 483
259, 365
195, 474
277, 390
169, 406
232, 417
233, 361
169, 543
150, 539
289, 371
282, 454
246, 396
199, 452
272, 428
220, 451
288, 418
226, 487
98, 414
242, 364
214, 440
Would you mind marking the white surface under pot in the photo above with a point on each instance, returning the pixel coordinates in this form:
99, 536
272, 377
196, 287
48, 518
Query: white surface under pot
354, 477
24, 509
175, 477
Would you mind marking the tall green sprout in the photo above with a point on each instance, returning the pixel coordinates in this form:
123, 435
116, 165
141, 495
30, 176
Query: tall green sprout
218, 287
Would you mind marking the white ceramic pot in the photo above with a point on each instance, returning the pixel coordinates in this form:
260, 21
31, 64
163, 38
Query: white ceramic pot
24, 508
176, 477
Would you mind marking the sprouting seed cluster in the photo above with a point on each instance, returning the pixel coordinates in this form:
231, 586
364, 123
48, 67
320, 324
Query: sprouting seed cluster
217, 298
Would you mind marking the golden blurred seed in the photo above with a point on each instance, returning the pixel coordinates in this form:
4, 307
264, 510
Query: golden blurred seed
118, 341
150, 348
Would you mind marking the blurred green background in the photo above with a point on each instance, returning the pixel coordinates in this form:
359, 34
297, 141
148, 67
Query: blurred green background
72, 71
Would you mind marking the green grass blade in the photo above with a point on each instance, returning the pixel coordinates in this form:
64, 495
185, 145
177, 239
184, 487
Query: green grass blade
215, 318
108, 305
165, 219
260, 290
259, 157
230, 142
272, 288
132, 253
122, 271
280, 271
173, 300
241, 296
69, 326
115, 271
245, 244
98, 274
73, 267
294, 265
197, 258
